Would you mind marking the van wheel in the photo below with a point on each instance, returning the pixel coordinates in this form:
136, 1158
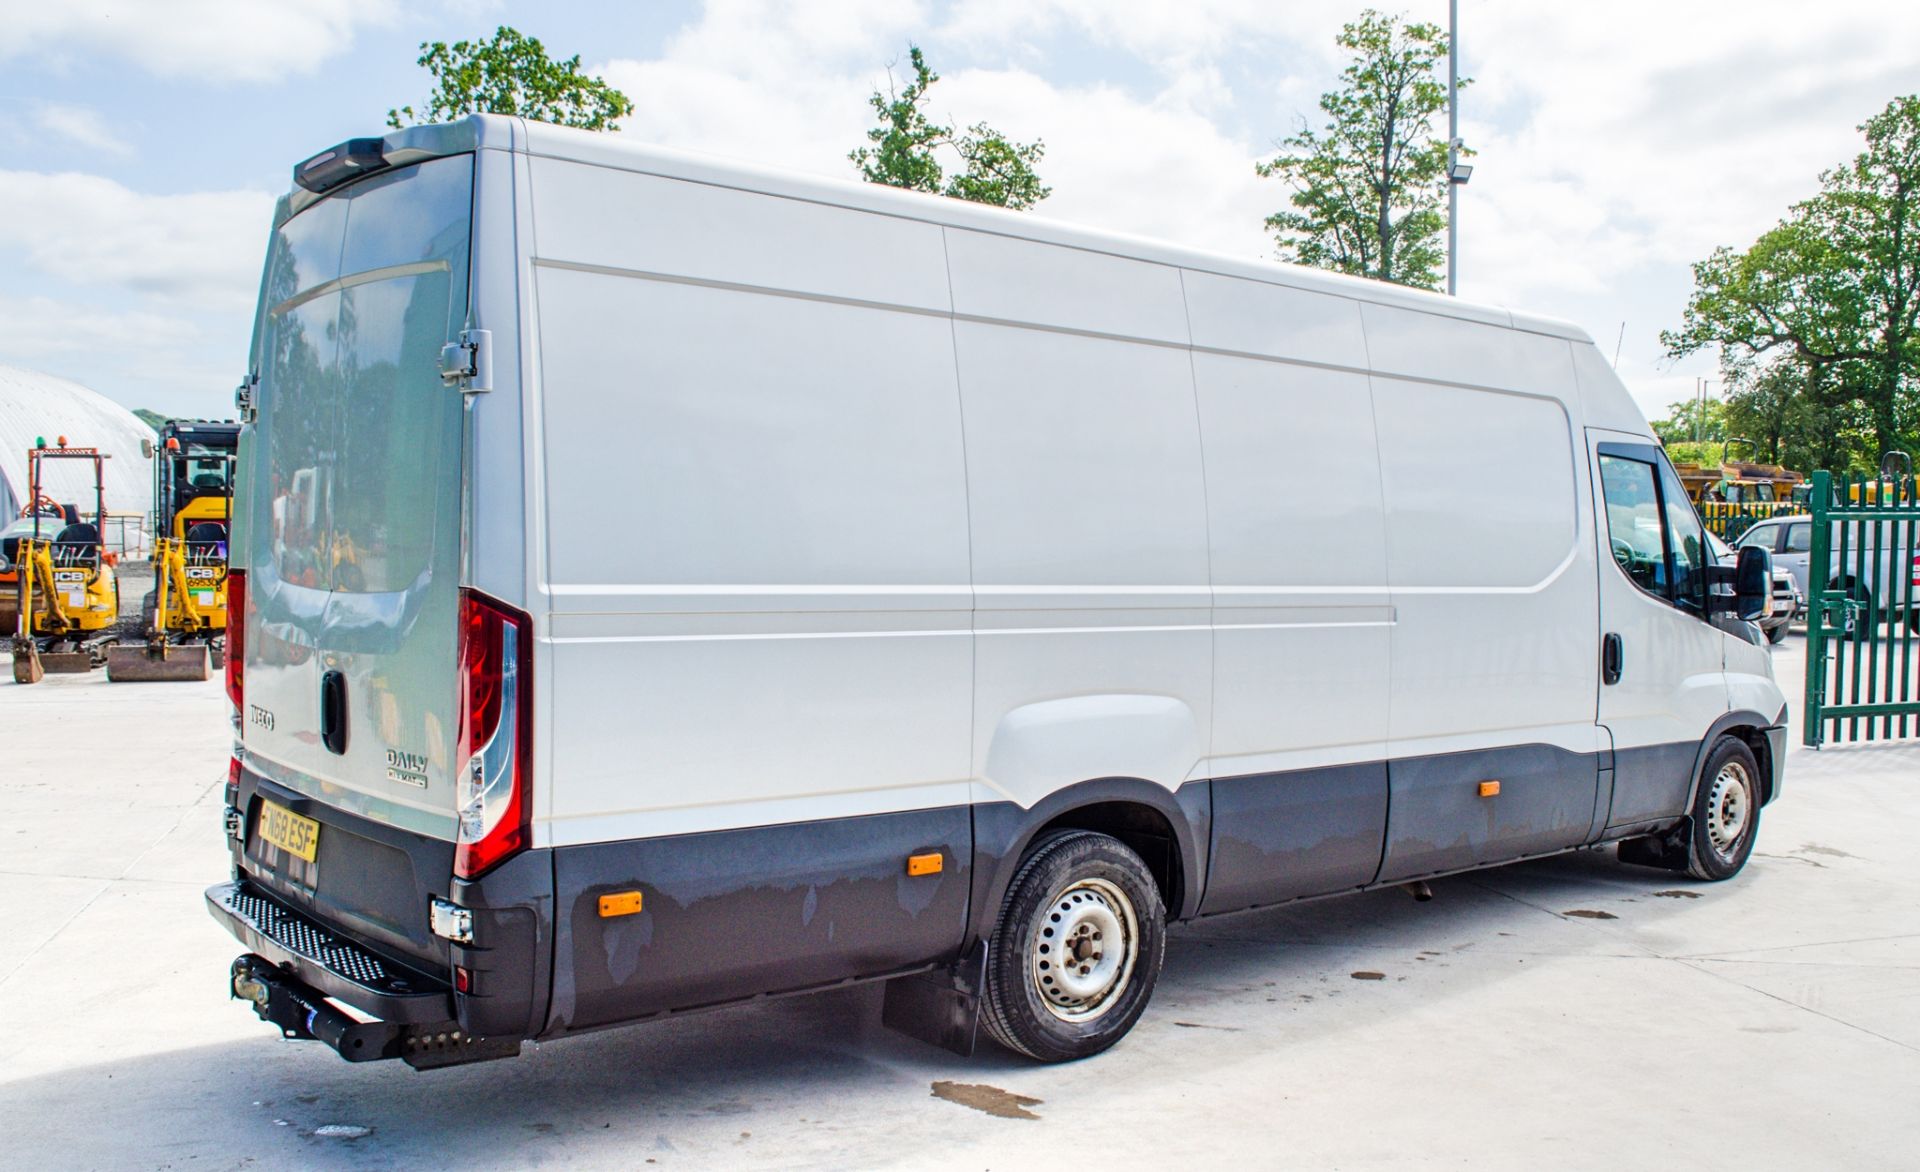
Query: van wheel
1726, 812
1778, 634
1077, 950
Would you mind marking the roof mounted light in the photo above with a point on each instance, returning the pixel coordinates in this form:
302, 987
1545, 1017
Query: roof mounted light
350, 160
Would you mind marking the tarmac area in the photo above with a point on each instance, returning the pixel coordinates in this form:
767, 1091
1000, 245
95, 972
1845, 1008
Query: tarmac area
1566, 1013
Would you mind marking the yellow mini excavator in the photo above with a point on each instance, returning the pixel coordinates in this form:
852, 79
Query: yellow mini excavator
184, 619
66, 595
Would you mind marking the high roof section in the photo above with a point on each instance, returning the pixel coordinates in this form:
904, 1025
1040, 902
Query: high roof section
35, 405
495, 132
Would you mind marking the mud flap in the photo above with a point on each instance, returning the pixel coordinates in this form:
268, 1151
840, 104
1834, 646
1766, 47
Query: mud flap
1666, 851
941, 1007
138, 662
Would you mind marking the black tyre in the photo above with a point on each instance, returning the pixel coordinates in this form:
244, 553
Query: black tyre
1913, 621
1778, 634
1726, 812
1077, 950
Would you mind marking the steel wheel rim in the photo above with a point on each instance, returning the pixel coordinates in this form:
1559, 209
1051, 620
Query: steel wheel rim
1085, 942
1729, 808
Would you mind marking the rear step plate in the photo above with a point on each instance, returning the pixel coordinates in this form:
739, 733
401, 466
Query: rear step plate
332, 964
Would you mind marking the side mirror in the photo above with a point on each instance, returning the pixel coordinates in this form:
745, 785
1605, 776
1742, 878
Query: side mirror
146, 448
1753, 584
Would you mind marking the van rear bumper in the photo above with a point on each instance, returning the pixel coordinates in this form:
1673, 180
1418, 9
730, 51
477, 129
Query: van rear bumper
327, 962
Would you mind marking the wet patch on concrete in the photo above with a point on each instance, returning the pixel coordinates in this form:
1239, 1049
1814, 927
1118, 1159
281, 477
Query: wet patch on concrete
992, 1100
1586, 913
1814, 848
1196, 1025
1368, 975
1676, 893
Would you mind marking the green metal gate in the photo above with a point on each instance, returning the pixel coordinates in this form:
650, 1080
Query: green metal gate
1863, 607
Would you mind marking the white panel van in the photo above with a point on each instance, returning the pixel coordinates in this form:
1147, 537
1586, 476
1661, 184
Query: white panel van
662, 583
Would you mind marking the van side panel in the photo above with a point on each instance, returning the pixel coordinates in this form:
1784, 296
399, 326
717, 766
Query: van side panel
1496, 651
756, 568
1303, 620
1088, 519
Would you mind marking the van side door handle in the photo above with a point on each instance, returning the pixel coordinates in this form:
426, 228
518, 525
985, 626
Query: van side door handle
333, 712
1612, 659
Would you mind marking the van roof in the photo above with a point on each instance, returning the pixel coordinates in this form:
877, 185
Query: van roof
501, 132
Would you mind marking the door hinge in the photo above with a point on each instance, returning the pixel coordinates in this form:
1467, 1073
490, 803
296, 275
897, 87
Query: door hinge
467, 362
245, 404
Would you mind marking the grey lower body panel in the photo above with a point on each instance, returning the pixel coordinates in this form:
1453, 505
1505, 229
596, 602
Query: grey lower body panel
734, 914
728, 916
1652, 782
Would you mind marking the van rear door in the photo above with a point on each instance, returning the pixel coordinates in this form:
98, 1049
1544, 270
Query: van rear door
355, 498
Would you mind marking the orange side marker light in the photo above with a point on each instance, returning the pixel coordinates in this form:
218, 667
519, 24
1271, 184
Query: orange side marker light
928, 864
1489, 789
620, 903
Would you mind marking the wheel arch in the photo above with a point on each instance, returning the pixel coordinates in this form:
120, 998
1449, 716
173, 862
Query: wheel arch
1751, 728
1168, 829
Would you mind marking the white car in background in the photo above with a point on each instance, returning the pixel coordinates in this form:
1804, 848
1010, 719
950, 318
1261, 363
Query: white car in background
1889, 581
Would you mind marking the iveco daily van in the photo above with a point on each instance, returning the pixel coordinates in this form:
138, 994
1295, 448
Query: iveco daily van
663, 583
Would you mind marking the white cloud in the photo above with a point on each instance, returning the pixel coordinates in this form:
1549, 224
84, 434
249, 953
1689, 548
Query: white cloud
207, 40
203, 247
37, 329
82, 126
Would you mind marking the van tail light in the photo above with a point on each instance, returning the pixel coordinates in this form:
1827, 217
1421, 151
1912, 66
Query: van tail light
496, 736
1916, 571
236, 652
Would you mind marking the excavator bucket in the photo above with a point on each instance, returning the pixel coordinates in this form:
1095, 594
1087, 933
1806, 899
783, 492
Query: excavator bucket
66, 662
139, 663
26, 665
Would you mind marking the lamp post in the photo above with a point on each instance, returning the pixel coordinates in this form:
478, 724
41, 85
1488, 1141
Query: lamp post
1457, 172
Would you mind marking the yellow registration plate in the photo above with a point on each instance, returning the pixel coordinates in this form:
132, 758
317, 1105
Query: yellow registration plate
289, 831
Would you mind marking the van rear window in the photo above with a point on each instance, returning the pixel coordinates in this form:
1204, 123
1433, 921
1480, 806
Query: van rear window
361, 445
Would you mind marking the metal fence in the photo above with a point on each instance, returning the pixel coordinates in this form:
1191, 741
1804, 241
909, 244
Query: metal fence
1730, 519
1863, 621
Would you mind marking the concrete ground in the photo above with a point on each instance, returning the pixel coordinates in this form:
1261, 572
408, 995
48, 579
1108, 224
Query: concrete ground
1564, 1013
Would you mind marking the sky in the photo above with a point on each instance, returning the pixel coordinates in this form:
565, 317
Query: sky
142, 142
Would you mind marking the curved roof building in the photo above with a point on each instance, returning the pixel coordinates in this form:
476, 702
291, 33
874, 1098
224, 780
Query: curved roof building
33, 405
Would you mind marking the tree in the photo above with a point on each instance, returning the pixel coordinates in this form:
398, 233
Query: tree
1368, 187
1693, 419
1796, 419
996, 170
1835, 286
512, 74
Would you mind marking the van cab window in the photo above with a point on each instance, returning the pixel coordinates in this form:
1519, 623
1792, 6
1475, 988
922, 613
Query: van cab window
1800, 537
1759, 537
1655, 535
1686, 543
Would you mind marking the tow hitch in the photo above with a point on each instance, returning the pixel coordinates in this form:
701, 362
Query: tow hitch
301, 1013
